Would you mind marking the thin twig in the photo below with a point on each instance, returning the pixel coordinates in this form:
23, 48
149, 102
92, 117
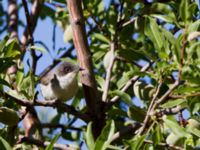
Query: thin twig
163, 98
130, 129
44, 144
132, 20
52, 103
108, 74
13, 19
169, 111
165, 145
30, 36
37, 4
130, 82
184, 96
62, 126
184, 44
146, 120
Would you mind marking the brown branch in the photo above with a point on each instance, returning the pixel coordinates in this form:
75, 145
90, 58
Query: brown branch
62, 126
30, 36
13, 19
52, 103
165, 145
148, 115
184, 96
85, 61
169, 111
130, 129
44, 144
164, 97
37, 4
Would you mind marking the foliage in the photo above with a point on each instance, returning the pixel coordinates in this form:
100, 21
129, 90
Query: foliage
154, 79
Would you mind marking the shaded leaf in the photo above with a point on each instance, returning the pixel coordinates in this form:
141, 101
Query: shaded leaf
4, 144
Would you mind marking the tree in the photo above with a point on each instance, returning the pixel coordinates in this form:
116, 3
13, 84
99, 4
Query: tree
140, 86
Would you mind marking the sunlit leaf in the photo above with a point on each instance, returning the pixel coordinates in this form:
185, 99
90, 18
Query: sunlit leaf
101, 37
5, 145
124, 96
105, 138
172, 103
50, 146
89, 139
153, 32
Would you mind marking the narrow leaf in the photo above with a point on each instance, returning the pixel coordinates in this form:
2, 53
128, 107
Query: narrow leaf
105, 138
175, 127
41, 49
50, 146
152, 31
138, 142
5, 144
101, 37
172, 103
124, 96
89, 139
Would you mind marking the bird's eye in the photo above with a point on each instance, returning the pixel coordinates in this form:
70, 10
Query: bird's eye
67, 69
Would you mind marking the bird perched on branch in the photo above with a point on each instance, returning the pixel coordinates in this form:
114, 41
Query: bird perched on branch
60, 83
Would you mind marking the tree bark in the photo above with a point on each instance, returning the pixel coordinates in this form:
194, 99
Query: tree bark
84, 58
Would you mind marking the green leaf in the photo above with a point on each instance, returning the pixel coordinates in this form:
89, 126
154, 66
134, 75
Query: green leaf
12, 49
163, 18
101, 37
114, 147
4, 82
124, 96
5, 63
172, 103
137, 142
157, 135
72, 135
105, 138
98, 55
5, 144
153, 32
3, 43
137, 114
100, 7
41, 49
117, 112
88, 136
195, 26
184, 10
50, 146
187, 89
194, 131
100, 81
175, 127
175, 43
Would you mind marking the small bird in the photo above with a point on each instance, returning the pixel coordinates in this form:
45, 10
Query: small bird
60, 83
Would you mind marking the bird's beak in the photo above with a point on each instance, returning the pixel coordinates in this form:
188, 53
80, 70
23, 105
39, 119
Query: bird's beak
81, 69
